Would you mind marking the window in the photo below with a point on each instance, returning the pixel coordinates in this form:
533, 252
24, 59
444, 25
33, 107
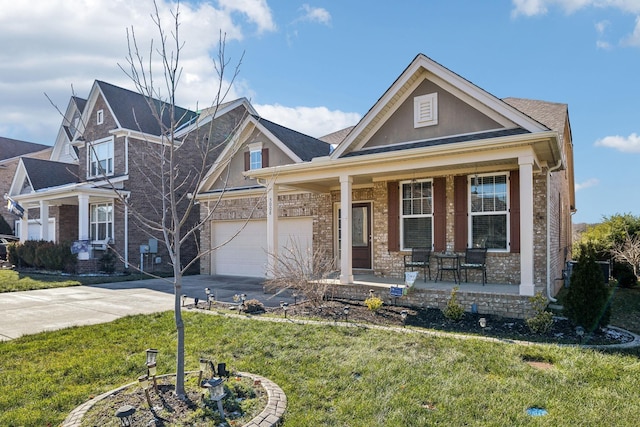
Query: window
255, 159
425, 110
101, 221
416, 214
100, 117
489, 211
101, 155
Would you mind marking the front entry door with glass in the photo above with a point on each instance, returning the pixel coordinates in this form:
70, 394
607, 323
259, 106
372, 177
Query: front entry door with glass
360, 235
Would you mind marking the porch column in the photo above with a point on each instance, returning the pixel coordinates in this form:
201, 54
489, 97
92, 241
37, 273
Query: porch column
24, 226
44, 220
527, 286
346, 271
272, 229
83, 222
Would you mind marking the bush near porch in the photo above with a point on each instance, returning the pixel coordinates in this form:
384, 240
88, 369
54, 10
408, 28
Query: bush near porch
43, 254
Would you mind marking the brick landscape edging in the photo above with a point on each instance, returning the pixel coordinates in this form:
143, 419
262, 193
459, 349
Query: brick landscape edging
269, 417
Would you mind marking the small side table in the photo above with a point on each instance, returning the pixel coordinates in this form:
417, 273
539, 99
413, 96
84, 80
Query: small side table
448, 261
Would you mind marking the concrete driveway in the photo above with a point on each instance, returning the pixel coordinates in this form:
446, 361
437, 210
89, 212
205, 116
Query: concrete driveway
30, 312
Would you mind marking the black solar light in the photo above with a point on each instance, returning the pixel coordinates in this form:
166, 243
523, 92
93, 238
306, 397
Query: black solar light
203, 367
285, 307
184, 299
404, 314
345, 310
152, 355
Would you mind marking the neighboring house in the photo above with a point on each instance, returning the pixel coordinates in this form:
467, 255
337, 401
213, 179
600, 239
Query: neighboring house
107, 149
436, 162
10, 152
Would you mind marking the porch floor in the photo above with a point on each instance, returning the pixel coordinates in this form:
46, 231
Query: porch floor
369, 279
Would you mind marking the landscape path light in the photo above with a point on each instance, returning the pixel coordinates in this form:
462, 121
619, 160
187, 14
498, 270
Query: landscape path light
285, 307
207, 291
144, 384
404, 314
345, 310
152, 355
483, 322
125, 415
203, 367
184, 299
215, 386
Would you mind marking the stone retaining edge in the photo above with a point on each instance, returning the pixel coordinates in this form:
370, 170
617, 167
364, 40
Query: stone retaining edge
271, 416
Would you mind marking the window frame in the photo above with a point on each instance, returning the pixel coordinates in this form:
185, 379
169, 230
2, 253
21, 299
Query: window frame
494, 213
100, 117
403, 216
92, 152
255, 162
95, 222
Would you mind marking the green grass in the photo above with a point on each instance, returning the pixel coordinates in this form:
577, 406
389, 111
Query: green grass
13, 281
332, 375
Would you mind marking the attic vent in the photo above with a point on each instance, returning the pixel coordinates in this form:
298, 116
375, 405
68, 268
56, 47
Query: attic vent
425, 110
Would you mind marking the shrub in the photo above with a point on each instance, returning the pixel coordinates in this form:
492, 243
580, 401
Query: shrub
253, 306
107, 262
373, 303
542, 319
42, 254
587, 302
623, 273
453, 311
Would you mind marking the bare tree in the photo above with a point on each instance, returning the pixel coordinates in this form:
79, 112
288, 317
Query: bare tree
628, 251
174, 214
309, 272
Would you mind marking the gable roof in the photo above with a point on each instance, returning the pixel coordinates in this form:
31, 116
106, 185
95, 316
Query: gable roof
336, 137
551, 114
10, 148
131, 110
304, 146
46, 173
424, 68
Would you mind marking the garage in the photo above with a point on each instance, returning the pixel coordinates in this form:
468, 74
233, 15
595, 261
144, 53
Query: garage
245, 254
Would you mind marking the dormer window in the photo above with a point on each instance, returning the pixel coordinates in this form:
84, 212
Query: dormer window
101, 158
425, 110
100, 117
255, 159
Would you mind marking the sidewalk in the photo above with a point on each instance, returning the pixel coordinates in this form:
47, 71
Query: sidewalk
30, 312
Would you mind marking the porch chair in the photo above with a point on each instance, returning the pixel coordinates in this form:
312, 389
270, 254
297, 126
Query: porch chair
475, 259
419, 258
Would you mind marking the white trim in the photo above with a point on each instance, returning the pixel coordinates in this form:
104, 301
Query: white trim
91, 148
506, 212
100, 117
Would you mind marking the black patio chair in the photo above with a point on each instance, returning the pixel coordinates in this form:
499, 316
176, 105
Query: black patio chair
419, 258
475, 259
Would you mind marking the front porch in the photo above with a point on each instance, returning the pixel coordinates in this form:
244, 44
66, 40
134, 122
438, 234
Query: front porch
496, 299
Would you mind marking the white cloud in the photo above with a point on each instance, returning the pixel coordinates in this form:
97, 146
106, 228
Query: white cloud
541, 7
59, 43
592, 182
634, 38
629, 144
313, 121
315, 14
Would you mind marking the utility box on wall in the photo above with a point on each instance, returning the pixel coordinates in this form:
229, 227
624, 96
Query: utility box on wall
153, 246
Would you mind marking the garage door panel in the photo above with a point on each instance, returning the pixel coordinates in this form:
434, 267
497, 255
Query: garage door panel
246, 254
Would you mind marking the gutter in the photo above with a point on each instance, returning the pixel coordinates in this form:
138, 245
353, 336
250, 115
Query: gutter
549, 171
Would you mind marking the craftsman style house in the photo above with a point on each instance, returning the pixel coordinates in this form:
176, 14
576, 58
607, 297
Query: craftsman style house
107, 151
437, 162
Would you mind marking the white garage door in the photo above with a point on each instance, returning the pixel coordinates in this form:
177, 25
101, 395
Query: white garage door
246, 254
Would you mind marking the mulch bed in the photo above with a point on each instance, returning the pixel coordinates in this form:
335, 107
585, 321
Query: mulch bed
562, 331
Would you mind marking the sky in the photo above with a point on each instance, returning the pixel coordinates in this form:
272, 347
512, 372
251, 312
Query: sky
319, 66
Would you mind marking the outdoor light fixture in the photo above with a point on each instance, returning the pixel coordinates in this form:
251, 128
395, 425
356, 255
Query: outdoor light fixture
184, 299
404, 314
152, 370
294, 294
125, 415
144, 384
285, 306
580, 332
208, 292
371, 293
152, 355
345, 310
483, 322
203, 367
215, 386
243, 298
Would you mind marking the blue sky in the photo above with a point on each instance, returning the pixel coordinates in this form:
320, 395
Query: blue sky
318, 66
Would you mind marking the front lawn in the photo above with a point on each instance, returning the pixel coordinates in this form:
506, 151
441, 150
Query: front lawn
332, 375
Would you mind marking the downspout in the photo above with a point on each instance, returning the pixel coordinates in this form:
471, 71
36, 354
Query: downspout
126, 232
549, 171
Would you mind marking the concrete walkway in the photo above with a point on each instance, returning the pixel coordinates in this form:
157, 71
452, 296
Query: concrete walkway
30, 312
